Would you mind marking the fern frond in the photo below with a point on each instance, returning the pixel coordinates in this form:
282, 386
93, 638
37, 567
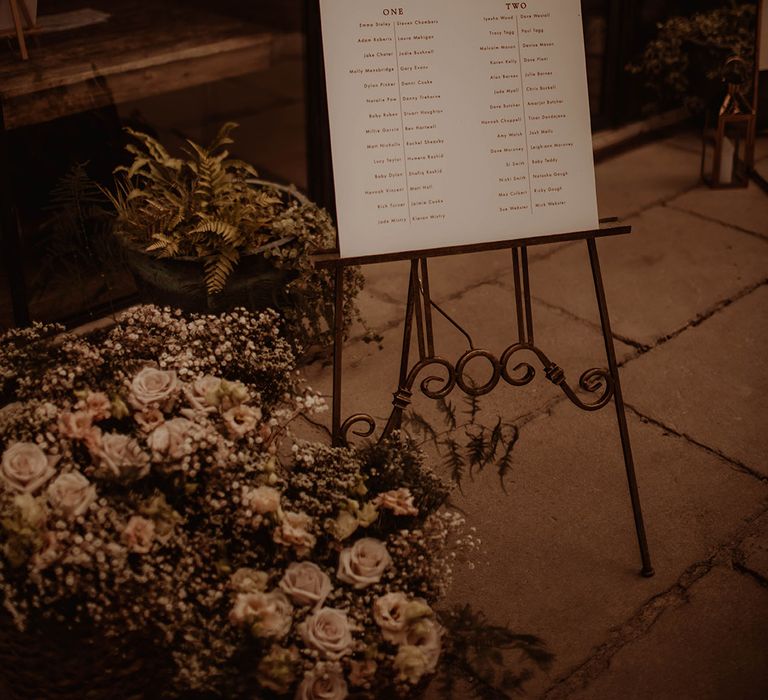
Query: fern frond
222, 138
218, 268
504, 465
155, 149
449, 412
229, 232
454, 461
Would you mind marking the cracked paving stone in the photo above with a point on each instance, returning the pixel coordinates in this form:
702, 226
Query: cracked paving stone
753, 551
711, 382
746, 208
669, 270
624, 186
710, 647
559, 555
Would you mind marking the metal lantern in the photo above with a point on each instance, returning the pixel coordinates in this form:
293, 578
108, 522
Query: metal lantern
729, 134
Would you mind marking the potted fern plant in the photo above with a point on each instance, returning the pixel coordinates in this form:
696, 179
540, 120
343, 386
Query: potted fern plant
203, 233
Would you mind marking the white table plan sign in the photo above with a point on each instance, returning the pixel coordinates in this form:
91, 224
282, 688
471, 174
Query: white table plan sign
455, 123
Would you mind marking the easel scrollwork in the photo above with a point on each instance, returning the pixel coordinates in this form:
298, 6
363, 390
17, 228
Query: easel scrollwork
435, 376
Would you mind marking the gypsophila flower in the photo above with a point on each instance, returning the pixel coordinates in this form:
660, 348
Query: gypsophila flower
150, 485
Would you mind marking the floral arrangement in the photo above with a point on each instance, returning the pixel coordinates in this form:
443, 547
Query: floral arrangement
151, 487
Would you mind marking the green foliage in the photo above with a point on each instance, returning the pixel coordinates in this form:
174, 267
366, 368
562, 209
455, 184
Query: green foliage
480, 446
209, 207
682, 64
205, 207
75, 236
474, 657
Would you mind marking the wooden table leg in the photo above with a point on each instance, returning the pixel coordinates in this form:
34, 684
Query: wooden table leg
19, 28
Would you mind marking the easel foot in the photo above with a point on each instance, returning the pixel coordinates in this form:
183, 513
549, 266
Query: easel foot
648, 572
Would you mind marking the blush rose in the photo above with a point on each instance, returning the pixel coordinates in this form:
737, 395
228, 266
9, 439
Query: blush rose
153, 387
71, 494
25, 467
120, 457
363, 563
305, 583
267, 614
328, 632
323, 682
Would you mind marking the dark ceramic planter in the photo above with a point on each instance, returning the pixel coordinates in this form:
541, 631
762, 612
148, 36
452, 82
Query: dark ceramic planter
254, 284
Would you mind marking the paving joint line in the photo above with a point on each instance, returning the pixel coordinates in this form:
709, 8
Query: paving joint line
701, 318
644, 619
661, 202
751, 573
713, 220
636, 344
734, 464
681, 147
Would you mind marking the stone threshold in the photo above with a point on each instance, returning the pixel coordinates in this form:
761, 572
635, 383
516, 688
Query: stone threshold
610, 142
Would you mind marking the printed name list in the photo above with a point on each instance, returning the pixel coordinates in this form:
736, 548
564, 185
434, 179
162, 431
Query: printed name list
457, 123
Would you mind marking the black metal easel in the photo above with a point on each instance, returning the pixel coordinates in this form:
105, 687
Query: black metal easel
602, 384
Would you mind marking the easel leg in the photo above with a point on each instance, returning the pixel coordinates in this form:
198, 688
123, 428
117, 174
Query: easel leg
621, 417
338, 344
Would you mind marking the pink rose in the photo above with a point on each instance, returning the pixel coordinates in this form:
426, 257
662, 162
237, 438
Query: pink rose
154, 388
389, 614
205, 390
241, 420
98, 405
400, 502
75, 426
25, 467
363, 563
172, 440
306, 583
71, 494
139, 534
120, 457
262, 500
323, 682
267, 614
293, 531
328, 631
149, 419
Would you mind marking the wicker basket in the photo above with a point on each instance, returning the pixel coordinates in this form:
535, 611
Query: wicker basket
53, 661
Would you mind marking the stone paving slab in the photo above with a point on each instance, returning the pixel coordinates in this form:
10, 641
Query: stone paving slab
712, 647
559, 556
450, 276
626, 186
670, 269
711, 382
746, 208
753, 551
